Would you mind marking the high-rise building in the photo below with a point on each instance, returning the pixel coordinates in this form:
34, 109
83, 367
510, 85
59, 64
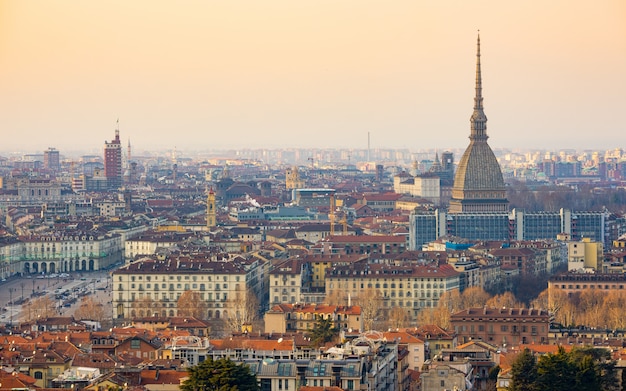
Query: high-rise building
478, 183
113, 161
51, 160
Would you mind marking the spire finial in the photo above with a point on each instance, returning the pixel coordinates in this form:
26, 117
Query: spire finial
478, 120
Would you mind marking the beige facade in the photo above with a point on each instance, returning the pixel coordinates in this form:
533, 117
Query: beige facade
426, 187
416, 348
69, 251
289, 318
584, 255
409, 287
286, 282
447, 377
499, 326
152, 287
110, 208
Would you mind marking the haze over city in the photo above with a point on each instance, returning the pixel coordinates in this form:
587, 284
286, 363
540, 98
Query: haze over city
205, 75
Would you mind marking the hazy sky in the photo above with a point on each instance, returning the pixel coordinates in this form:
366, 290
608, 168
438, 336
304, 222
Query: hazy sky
302, 73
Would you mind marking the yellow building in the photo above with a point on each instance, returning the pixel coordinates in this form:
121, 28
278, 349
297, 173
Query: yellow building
585, 254
211, 217
292, 179
47, 365
286, 318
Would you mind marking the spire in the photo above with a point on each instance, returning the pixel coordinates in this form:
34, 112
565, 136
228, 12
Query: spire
478, 119
117, 131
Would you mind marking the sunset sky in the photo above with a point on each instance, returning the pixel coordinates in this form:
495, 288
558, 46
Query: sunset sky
297, 73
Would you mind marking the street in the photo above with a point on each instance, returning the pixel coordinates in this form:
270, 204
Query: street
20, 290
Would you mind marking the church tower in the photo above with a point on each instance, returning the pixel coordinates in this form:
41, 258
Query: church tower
478, 183
211, 219
292, 179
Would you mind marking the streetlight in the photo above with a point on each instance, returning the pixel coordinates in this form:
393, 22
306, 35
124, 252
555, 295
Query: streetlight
11, 303
22, 285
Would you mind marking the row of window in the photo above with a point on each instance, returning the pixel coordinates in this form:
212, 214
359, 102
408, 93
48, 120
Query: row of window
592, 286
164, 297
186, 287
503, 328
377, 285
179, 278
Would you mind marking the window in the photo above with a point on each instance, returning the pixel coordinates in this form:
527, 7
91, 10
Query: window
135, 344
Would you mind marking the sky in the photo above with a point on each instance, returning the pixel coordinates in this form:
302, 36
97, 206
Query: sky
310, 74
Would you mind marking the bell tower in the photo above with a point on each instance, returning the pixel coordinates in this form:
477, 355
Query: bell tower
211, 218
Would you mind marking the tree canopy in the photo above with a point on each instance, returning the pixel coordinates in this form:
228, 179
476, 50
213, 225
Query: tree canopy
220, 375
582, 369
323, 331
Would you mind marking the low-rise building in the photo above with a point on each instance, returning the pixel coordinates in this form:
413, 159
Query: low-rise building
585, 254
575, 283
288, 318
364, 244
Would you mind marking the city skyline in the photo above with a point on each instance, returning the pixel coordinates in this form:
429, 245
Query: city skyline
282, 74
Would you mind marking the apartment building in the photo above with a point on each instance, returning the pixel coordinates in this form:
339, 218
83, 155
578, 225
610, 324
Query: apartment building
364, 244
148, 242
573, 283
499, 326
153, 285
412, 287
288, 318
67, 250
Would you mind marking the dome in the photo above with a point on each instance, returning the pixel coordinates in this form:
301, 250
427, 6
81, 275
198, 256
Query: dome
478, 170
478, 183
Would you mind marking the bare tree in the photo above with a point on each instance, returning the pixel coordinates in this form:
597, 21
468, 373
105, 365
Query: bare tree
614, 305
451, 300
560, 305
243, 309
473, 297
190, 303
89, 309
41, 307
542, 301
370, 301
439, 316
449, 303
397, 318
506, 299
592, 307
336, 297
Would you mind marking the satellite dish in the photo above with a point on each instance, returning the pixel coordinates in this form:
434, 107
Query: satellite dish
280, 340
